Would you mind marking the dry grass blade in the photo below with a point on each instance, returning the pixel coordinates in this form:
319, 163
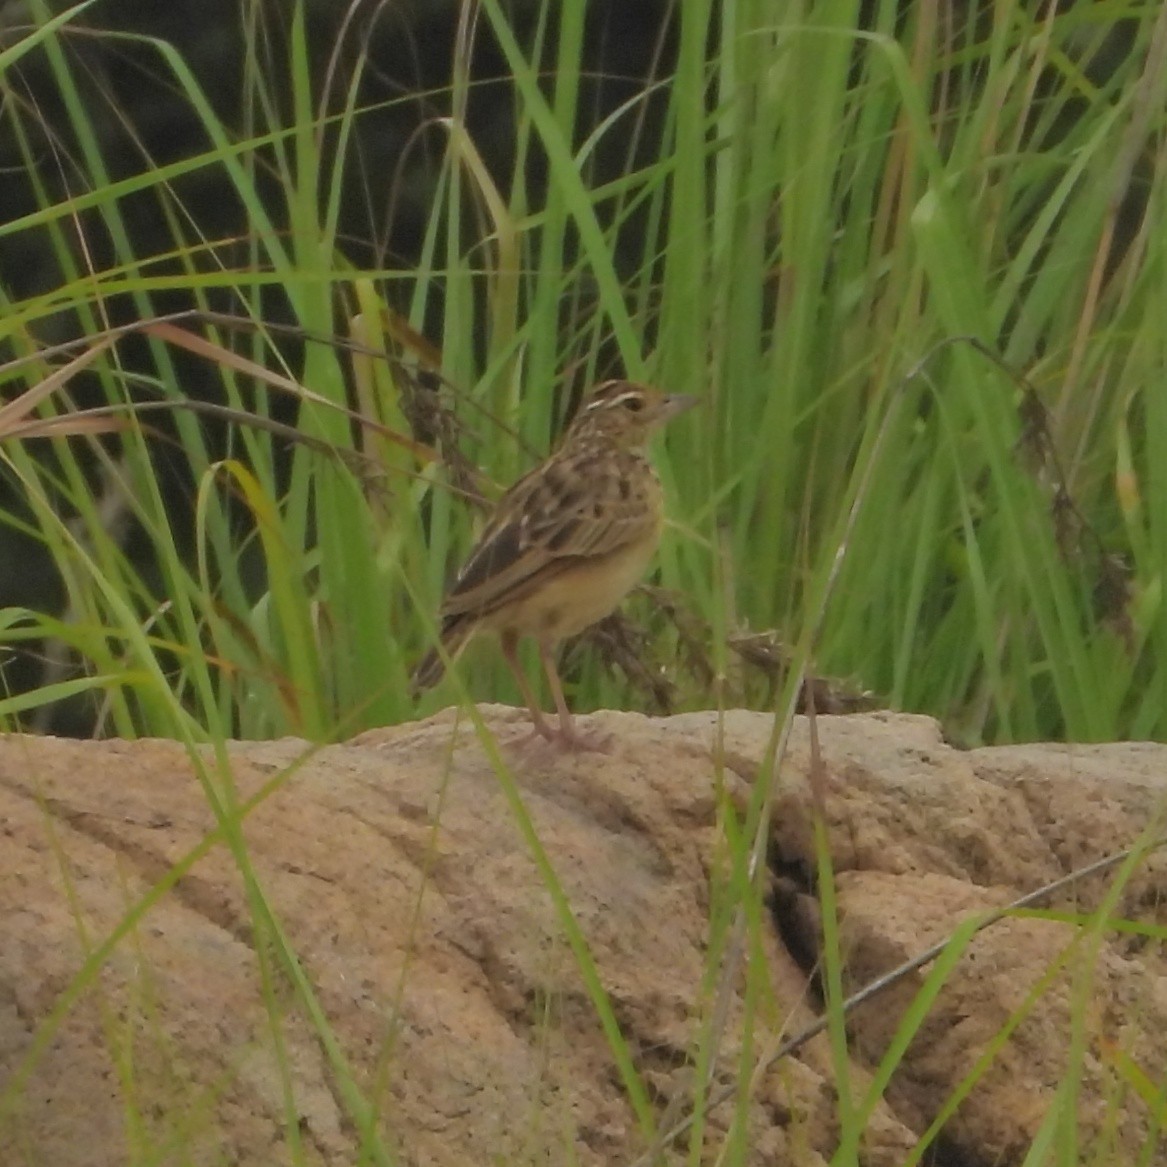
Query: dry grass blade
87, 422
399, 330
14, 416
200, 346
466, 481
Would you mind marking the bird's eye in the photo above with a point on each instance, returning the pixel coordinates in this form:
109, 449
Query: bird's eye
633, 404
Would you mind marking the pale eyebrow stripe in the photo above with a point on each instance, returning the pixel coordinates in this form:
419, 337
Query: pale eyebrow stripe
601, 402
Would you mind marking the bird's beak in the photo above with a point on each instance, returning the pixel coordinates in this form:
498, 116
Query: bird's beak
678, 402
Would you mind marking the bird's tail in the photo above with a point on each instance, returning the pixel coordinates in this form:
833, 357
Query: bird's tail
428, 671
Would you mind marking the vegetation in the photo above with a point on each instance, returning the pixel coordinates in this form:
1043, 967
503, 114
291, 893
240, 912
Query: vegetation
914, 269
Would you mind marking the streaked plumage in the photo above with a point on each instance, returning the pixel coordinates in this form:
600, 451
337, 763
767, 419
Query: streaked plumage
566, 543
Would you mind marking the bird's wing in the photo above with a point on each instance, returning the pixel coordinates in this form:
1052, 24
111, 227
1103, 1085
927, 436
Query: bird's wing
575, 506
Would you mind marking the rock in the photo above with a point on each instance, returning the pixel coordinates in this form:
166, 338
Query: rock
395, 869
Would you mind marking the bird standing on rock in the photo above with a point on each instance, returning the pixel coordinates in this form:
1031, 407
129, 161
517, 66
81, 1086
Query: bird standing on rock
565, 544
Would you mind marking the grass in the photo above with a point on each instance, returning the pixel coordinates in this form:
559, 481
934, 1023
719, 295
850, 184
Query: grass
913, 270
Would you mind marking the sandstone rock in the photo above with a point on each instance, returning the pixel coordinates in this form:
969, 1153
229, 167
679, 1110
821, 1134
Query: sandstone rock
395, 868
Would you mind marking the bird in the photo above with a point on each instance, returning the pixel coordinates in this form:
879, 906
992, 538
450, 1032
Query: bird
563, 546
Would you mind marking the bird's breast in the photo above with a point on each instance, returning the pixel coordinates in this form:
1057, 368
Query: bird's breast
587, 591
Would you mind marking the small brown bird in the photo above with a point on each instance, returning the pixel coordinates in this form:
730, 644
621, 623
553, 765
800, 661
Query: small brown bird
565, 544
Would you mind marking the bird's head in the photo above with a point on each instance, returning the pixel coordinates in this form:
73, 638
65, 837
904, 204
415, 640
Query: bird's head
626, 413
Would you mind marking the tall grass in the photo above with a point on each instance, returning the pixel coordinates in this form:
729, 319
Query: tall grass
812, 217
821, 206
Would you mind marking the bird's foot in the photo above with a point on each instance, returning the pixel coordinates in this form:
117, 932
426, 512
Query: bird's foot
566, 740
577, 741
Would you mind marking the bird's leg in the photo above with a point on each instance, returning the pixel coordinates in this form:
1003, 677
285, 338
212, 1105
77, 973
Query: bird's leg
566, 723
510, 643
568, 734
